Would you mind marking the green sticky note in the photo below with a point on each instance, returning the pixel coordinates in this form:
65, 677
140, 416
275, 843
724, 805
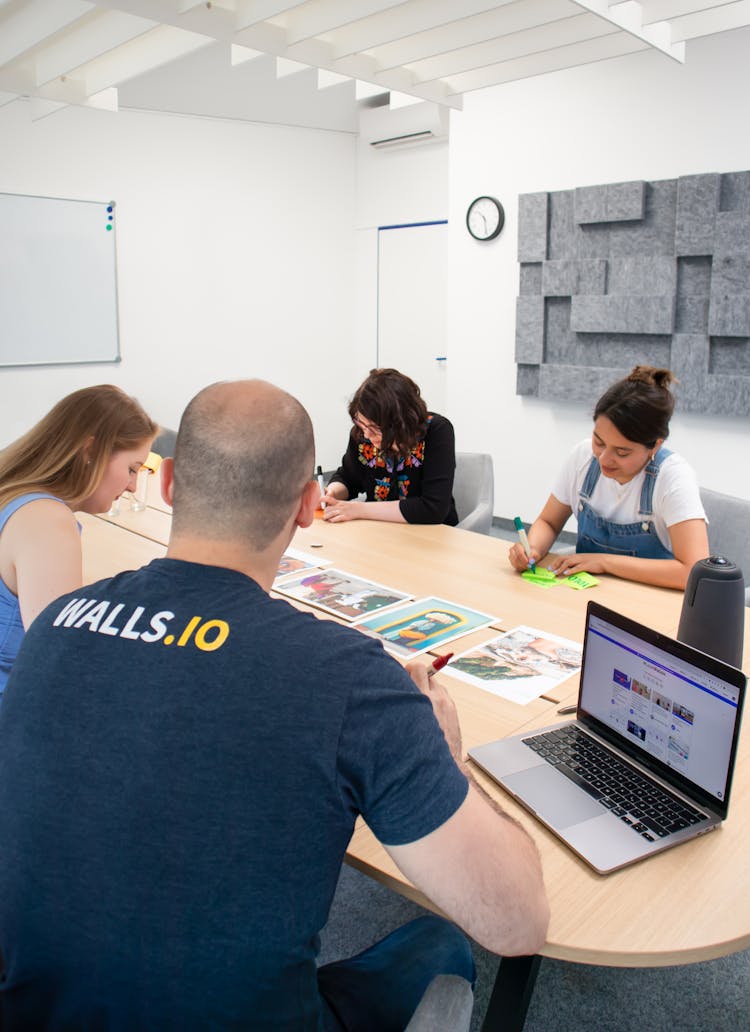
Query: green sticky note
542, 576
580, 581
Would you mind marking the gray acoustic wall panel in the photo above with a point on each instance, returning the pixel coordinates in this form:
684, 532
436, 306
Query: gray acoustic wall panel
627, 273
532, 227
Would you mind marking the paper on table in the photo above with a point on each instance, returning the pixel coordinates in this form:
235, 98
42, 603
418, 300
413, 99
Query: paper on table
519, 665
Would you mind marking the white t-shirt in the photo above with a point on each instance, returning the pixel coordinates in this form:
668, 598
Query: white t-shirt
676, 494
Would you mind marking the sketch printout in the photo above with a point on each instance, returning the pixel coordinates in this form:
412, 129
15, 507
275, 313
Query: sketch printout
518, 665
408, 630
295, 561
341, 594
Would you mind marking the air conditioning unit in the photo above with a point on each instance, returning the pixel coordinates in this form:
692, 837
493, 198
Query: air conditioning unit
384, 127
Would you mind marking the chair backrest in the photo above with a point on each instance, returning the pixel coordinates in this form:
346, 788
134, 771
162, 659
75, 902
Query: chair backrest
446, 1006
474, 491
729, 530
165, 442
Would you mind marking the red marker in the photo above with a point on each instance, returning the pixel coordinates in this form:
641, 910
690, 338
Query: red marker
439, 663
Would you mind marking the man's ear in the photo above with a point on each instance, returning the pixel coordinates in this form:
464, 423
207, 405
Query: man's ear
309, 502
166, 472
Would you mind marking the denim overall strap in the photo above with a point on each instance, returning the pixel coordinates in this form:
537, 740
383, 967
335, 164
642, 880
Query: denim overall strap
592, 476
649, 481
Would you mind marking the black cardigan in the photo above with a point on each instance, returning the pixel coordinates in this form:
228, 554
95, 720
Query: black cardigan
422, 482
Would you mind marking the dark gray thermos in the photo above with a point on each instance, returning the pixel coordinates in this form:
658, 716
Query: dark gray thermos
713, 610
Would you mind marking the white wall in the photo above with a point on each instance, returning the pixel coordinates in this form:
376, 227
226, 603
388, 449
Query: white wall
236, 256
639, 117
394, 187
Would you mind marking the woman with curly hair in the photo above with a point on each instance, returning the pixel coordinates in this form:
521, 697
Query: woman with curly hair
400, 456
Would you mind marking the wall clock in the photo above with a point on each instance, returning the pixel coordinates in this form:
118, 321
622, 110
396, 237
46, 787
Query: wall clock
485, 218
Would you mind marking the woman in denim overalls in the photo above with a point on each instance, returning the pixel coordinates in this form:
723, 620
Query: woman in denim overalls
630, 524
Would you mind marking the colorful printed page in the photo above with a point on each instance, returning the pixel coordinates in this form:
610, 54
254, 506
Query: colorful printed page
519, 665
340, 594
295, 561
420, 626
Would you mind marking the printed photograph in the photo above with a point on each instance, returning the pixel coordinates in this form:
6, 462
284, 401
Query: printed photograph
519, 665
422, 625
295, 561
339, 593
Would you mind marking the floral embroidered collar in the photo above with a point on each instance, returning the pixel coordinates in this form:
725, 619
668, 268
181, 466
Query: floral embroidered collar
391, 465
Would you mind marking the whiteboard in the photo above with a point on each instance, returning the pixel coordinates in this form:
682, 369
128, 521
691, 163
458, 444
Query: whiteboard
58, 281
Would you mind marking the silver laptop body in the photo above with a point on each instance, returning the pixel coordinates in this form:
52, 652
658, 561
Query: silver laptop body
648, 761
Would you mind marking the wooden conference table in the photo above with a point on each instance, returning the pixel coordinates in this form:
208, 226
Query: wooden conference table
691, 903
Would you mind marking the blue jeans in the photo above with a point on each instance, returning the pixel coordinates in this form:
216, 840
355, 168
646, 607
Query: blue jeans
380, 988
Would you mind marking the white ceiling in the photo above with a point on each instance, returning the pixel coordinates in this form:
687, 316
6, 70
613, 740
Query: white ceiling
306, 63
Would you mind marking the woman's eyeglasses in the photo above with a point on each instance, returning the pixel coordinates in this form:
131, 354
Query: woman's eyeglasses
368, 429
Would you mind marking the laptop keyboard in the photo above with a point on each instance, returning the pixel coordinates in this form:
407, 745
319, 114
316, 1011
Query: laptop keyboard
650, 810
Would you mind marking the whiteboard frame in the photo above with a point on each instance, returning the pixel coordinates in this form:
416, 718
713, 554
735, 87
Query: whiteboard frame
102, 275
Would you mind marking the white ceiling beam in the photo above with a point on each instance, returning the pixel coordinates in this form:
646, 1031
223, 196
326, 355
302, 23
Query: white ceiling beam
266, 37
614, 45
627, 16
533, 41
6, 98
105, 100
254, 12
317, 19
365, 90
666, 10
416, 16
326, 79
445, 39
319, 54
212, 19
240, 55
156, 48
91, 39
285, 67
706, 23
26, 26
398, 100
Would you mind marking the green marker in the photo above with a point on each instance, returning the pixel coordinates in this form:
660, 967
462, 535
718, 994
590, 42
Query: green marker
524, 541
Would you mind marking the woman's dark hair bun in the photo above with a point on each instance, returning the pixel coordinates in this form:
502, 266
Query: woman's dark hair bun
652, 376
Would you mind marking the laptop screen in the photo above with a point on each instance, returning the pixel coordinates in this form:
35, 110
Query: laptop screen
670, 706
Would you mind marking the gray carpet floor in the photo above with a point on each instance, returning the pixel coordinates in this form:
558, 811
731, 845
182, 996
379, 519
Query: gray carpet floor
709, 997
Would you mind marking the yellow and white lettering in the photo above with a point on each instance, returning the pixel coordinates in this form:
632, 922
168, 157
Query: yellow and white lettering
158, 626
185, 636
72, 610
108, 626
127, 631
222, 628
93, 617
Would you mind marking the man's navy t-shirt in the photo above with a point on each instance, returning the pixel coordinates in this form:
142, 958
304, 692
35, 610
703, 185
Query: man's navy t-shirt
182, 759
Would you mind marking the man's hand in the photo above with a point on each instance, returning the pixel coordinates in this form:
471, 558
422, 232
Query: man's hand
442, 706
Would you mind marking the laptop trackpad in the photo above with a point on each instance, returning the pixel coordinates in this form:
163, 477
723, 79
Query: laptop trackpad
549, 794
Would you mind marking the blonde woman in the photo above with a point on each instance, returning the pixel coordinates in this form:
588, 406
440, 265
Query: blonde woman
81, 456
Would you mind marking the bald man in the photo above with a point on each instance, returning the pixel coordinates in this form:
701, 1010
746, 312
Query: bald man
180, 775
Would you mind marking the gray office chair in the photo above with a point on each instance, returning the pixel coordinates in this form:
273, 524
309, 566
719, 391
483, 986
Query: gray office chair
164, 443
445, 1007
729, 530
474, 491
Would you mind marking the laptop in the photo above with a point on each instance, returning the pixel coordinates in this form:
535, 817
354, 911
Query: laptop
647, 764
